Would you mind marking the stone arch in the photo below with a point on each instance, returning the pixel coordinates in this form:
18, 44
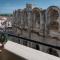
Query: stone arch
36, 11
52, 17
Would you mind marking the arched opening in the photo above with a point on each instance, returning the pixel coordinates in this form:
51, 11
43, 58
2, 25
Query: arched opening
53, 16
36, 13
54, 26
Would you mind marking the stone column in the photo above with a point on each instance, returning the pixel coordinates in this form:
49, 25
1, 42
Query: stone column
47, 25
21, 23
29, 24
59, 22
34, 24
41, 22
29, 27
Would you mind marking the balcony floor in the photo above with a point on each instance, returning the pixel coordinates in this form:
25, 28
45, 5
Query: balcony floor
5, 55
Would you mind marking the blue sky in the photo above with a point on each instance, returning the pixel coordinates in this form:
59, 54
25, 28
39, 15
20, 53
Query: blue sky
7, 6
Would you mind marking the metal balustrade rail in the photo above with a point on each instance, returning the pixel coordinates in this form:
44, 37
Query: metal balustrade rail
26, 39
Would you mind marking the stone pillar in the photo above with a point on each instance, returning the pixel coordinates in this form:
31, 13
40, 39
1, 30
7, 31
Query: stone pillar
47, 25
59, 22
21, 23
34, 24
29, 24
41, 22
29, 27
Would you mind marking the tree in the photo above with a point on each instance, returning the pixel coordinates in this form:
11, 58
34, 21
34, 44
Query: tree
2, 38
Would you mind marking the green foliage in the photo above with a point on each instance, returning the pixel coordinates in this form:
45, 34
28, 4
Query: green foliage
5, 14
2, 38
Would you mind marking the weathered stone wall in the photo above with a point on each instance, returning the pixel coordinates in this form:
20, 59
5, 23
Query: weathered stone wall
36, 23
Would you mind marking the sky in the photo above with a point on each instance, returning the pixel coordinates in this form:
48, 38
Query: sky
8, 6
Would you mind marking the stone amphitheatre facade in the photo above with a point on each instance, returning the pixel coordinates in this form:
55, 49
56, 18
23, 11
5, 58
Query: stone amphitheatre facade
38, 24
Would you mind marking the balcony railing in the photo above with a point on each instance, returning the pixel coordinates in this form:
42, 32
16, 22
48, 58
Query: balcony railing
51, 49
